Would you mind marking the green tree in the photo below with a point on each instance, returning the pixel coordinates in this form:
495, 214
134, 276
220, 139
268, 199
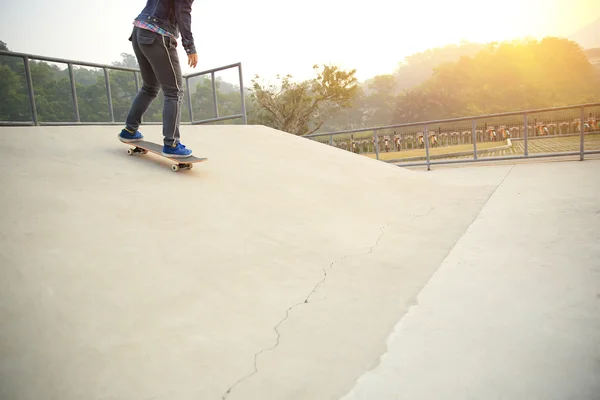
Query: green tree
14, 101
381, 100
14, 98
505, 76
302, 107
358, 116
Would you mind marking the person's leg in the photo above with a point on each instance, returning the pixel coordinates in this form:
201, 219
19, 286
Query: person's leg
147, 93
165, 61
172, 85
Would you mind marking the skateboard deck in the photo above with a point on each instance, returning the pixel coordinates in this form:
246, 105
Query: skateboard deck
143, 147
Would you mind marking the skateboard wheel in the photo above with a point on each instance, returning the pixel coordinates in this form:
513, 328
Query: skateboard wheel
175, 167
190, 166
130, 151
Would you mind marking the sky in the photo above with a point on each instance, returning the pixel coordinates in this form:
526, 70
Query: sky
273, 37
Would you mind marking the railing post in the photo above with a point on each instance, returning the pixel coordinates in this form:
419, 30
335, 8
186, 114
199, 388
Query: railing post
189, 98
581, 133
474, 135
111, 112
426, 137
525, 135
242, 93
331, 140
376, 143
74, 93
214, 88
34, 115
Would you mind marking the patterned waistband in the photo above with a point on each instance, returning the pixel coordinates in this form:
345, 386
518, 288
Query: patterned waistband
153, 28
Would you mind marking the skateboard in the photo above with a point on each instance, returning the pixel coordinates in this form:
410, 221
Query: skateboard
143, 147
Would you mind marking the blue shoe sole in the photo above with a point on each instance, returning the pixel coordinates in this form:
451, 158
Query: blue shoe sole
126, 140
176, 155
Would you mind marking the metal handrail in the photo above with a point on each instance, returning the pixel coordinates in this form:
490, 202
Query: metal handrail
208, 71
425, 124
34, 117
459, 119
65, 61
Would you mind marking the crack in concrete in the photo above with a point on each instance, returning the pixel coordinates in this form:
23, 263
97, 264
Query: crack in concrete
343, 258
306, 301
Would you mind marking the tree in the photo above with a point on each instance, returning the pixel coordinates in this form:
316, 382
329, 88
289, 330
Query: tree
302, 108
356, 117
128, 61
504, 77
381, 99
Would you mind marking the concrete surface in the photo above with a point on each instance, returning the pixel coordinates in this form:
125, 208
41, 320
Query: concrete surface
514, 310
280, 267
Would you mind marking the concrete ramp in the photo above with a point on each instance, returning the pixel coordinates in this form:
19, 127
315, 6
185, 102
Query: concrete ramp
275, 270
279, 266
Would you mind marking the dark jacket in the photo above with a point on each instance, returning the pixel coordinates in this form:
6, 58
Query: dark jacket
174, 16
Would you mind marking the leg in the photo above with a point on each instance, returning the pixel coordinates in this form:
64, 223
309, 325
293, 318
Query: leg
172, 86
165, 62
150, 86
158, 54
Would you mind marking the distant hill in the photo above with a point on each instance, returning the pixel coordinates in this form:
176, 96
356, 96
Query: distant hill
418, 67
593, 55
589, 36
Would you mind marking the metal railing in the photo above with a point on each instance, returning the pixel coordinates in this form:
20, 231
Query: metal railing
426, 124
106, 68
214, 92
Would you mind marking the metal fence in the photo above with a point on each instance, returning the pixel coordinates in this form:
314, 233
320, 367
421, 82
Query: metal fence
475, 133
106, 68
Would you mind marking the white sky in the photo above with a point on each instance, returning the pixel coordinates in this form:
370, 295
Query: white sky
271, 37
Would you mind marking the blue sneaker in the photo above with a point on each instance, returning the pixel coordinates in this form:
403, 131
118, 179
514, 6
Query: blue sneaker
127, 137
177, 151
